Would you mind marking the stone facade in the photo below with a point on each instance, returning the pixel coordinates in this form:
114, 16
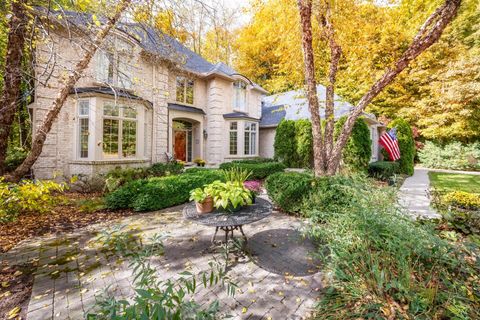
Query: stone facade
153, 90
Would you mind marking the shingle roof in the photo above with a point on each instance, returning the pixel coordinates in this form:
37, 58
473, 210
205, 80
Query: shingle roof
295, 106
238, 115
272, 115
181, 107
151, 40
108, 91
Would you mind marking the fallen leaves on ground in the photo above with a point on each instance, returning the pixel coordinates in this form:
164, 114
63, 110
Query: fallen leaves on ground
65, 217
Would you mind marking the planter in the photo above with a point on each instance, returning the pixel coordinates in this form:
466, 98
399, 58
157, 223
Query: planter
206, 206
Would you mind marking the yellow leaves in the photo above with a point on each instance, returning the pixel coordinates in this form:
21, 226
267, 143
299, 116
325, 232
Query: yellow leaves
5, 284
13, 313
96, 21
18, 273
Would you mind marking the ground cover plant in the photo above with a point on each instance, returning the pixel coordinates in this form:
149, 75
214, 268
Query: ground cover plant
454, 155
378, 262
159, 193
383, 170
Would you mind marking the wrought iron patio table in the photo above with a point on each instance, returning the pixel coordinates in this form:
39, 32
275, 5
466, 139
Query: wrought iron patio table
229, 221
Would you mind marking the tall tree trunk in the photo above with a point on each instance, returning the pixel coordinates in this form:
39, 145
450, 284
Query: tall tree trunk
12, 75
428, 34
305, 8
335, 54
74, 76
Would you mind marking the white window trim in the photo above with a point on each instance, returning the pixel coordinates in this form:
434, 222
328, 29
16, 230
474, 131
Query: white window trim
119, 58
121, 118
78, 127
230, 130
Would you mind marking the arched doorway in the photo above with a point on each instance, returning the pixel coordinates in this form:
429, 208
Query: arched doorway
182, 140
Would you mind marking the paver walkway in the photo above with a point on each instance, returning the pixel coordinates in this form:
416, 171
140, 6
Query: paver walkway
414, 195
281, 281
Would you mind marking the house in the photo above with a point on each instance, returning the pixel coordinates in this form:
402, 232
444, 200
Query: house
143, 97
293, 105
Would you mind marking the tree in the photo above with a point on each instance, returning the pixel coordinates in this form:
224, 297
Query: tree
326, 162
12, 77
73, 77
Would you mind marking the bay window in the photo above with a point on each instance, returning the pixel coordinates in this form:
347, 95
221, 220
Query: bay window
239, 95
119, 131
250, 140
184, 90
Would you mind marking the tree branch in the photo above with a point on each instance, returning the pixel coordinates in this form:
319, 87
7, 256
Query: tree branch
427, 35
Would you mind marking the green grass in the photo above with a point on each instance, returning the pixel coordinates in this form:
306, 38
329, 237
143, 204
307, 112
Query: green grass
455, 182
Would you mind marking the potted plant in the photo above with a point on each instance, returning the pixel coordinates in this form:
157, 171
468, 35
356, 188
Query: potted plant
203, 201
231, 196
199, 161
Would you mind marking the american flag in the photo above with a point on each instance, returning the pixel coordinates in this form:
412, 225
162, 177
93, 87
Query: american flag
390, 142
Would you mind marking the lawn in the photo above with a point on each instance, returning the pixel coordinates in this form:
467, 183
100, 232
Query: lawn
455, 182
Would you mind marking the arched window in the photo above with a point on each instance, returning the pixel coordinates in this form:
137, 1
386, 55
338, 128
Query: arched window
239, 95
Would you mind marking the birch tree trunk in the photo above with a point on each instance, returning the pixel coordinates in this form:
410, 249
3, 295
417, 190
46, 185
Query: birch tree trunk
305, 8
74, 76
12, 75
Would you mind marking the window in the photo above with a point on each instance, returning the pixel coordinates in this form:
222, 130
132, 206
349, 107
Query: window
184, 90
239, 95
250, 146
83, 126
114, 64
233, 138
119, 131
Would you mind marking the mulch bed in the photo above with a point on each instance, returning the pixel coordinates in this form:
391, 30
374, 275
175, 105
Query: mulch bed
64, 218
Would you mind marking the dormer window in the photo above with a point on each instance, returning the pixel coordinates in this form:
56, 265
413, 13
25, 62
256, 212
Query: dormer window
239, 95
114, 64
184, 90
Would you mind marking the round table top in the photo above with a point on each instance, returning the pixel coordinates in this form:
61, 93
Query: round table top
221, 218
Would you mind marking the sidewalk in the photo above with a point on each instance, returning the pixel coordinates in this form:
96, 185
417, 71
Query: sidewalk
414, 195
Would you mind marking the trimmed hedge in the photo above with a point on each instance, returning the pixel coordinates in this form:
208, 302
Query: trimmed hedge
406, 144
285, 145
358, 150
288, 189
383, 170
259, 169
159, 193
304, 143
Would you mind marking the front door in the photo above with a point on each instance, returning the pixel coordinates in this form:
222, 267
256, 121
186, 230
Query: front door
180, 145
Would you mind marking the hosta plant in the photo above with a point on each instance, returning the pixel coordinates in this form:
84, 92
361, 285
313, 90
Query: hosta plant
229, 195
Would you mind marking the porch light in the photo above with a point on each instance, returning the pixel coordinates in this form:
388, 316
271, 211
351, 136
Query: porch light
205, 134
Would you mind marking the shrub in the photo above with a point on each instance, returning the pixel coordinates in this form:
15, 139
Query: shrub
285, 145
462, 200
160, 192
451, 156
27, 197
406, 144
288, 189
383, 170
304, 143
383, 263
259, 170
358, 150
118, 176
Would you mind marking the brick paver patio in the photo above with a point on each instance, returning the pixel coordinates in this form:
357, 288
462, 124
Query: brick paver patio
280, 280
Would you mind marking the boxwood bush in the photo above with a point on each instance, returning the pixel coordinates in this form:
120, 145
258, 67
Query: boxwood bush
288, 189
383, 170
259, 168
454, 156
158, 193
